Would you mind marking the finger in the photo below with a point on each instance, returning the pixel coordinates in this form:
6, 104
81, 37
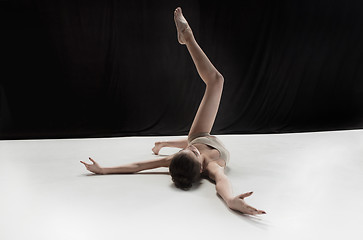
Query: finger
84, 163
245, 195
91, 160
254, 211
261, 212
250, 211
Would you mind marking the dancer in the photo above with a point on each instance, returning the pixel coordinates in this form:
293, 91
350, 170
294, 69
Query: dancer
202, 155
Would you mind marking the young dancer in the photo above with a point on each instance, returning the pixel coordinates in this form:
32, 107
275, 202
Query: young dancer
202, 155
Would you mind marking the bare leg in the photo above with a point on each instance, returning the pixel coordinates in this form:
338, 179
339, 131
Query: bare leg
208, 108
179, 143
204, 67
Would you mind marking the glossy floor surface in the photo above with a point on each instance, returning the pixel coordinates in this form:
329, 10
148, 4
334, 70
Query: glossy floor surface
310, 185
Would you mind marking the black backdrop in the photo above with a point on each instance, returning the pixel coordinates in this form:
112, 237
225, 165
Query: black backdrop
92, 68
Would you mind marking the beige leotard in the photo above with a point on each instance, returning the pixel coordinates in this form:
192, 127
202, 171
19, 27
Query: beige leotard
212, 141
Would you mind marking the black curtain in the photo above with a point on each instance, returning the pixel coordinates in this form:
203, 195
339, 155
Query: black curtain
96, 68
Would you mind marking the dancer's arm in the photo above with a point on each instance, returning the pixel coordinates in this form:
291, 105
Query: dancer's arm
128, 168
224, 189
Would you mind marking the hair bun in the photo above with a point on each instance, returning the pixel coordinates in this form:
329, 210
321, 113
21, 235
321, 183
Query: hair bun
182, 182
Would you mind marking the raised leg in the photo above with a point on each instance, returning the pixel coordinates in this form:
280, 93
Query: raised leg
208, 108
205, 68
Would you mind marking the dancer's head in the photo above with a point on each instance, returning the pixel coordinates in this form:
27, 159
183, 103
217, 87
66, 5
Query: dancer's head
185, 167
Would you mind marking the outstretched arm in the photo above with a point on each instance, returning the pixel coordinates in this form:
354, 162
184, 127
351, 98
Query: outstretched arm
224, 189
128, 168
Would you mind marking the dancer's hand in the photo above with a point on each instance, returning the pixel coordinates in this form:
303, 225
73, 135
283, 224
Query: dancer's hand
238, 204
95, 167
157, 147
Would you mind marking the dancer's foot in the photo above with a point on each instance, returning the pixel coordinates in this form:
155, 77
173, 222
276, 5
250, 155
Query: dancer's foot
182, 26
157, 147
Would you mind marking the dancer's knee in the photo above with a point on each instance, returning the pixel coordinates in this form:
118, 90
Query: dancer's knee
216, 78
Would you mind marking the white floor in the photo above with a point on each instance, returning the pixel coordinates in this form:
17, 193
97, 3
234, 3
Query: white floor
310, 185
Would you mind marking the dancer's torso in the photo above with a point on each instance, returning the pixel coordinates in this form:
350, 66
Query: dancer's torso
212, 149
210, 155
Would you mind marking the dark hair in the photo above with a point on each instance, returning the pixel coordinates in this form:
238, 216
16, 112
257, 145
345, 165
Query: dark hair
184, 170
